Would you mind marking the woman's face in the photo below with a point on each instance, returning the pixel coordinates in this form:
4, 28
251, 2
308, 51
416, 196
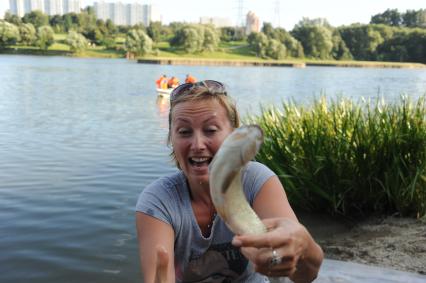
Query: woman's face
197, 131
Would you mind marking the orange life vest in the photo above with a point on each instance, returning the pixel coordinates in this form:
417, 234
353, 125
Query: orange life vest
173, 82
190, 79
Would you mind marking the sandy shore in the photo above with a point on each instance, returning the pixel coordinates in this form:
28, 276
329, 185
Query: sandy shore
391, 242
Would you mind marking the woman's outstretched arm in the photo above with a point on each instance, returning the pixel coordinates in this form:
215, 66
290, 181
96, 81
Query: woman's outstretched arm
156, 246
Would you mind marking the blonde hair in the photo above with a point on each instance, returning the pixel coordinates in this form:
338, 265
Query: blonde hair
203, 93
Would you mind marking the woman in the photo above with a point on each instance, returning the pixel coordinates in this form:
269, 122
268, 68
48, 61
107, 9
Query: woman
180, 237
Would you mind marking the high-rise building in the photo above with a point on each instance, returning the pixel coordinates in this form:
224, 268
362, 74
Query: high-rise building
50, 7
32, 5
252, 23
72, 6
17, 7
117, 12
53, 7
125, 14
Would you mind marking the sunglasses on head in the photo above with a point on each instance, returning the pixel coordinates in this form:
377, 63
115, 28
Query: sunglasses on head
213, 87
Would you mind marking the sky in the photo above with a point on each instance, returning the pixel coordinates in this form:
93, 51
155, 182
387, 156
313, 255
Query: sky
278, 12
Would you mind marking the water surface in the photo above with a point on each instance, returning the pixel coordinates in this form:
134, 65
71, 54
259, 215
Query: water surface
80, 138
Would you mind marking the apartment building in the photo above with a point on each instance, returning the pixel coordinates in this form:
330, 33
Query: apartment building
126, 14
49, 7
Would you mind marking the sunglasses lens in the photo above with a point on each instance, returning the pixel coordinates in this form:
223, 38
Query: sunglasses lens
211, 85
215, 86
180, 89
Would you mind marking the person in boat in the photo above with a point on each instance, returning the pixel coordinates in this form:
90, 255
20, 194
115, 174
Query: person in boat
180, 237
190, 79
162, 82
173, 82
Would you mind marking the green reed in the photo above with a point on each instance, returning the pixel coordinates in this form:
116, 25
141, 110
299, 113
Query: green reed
350, 158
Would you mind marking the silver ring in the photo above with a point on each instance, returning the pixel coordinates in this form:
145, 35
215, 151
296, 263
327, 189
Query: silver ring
275, 259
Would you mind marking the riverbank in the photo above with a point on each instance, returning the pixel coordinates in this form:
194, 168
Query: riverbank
391, 242
215, 60
278, 63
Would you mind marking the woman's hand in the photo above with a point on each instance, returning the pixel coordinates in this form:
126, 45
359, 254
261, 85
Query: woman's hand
280, 251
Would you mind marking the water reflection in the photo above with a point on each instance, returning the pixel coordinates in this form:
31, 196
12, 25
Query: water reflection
163, 106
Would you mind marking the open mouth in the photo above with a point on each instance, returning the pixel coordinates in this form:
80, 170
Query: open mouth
200, 161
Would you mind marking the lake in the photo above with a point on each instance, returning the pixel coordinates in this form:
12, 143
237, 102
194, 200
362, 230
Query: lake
80, 138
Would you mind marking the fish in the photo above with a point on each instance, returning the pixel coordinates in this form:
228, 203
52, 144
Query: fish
226, 189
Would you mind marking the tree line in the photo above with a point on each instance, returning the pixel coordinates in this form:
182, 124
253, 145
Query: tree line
390, 36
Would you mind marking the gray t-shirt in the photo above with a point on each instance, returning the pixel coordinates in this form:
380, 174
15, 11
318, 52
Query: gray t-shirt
197, 258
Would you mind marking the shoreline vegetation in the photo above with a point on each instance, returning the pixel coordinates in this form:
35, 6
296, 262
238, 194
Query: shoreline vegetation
217, 59
348, 158
279, 63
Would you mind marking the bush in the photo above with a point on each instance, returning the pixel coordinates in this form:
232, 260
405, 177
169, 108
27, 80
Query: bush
195, 38
45, 37
138, 42
9, 34
76, 41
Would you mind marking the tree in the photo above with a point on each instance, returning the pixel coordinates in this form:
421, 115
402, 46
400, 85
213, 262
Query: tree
193, 39
138, 42
389, 17
386, 32
154, 31
86, 21
76, 41
112, 29
275, 49
45, 37
316, 39
57, 23
211, 38
293, 47
408, 45
28, 34
9, 34
70, 21
258, 42
412, 18
37, 18
190, 38
340, 51
94, 34
268, 30
231, 34
362, 40
13, 19
176, 26
322, 22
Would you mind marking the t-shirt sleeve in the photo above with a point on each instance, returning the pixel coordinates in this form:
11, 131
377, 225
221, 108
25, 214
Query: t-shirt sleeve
254, 176
154, 200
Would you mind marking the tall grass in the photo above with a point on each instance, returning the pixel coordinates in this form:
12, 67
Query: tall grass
349, 158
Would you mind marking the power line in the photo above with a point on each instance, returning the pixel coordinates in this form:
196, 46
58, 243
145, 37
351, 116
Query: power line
277, 17
240, 13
